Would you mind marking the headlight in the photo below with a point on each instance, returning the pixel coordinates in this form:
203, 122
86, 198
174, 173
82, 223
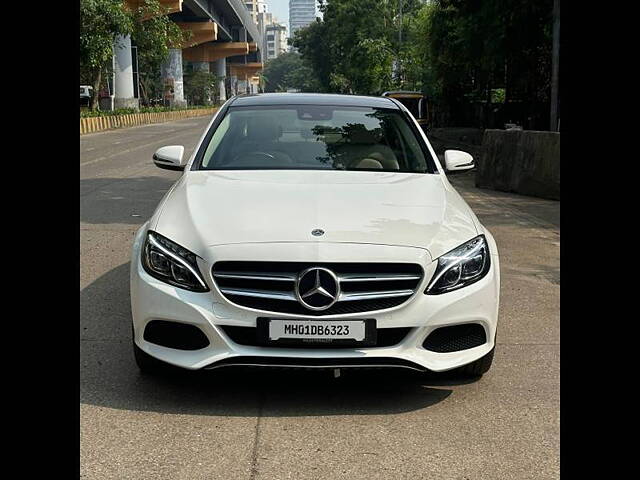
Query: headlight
171, 263
460, 267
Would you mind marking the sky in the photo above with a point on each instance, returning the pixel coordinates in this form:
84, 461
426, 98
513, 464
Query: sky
280, 10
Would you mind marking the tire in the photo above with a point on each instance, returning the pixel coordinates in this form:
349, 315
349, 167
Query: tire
148, 364
479, 367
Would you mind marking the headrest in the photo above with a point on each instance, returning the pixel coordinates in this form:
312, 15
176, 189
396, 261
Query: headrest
388, 161
368, 163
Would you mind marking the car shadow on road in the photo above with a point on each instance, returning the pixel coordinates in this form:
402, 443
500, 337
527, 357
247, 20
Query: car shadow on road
121, 200
110, 378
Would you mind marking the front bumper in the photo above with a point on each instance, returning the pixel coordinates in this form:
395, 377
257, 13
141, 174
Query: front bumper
152, 299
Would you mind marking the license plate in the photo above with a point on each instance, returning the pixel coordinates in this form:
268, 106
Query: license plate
308, 332
309, 329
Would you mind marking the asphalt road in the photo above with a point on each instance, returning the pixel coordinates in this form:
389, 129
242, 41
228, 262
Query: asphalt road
290, 425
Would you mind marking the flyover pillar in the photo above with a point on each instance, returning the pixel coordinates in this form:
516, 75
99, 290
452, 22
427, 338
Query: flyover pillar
220, 70
123, 74
200, 66
171, 71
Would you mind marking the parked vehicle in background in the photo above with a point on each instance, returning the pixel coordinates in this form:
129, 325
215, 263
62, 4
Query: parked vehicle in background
85, 95
416, 103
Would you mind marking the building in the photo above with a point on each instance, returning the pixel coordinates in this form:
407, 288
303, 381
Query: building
255, 7
301, 14
274, 34
264, 19
261, 17
275, 41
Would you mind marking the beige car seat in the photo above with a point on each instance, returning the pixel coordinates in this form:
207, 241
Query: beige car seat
368, 163
387, 159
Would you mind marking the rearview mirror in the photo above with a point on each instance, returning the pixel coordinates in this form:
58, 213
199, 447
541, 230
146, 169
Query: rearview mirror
169, 158
457, 160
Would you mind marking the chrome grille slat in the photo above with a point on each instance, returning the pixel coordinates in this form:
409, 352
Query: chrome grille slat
350, 297
280, 277
270, 286
377, 278
245, 292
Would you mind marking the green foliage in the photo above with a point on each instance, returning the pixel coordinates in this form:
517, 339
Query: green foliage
289, 71
125, 111
200, 87
498, 95
353, 48
151, 30
154, 34
477, 47
100, 22
457, 52
416, 58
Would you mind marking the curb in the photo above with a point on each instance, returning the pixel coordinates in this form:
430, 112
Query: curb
98, 124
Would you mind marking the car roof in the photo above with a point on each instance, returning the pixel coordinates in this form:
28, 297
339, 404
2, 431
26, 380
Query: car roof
312, 99
406, 93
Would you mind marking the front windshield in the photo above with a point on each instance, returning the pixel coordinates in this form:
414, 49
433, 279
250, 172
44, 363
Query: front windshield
314, 137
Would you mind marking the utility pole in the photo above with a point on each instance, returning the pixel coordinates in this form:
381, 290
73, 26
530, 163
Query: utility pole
555, 67
400, 45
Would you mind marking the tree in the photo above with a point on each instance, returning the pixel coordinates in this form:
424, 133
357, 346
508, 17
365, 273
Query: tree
101, 22
201, 86
154, 33
353, 48
289, 71
460, 53
313, 44
477, 47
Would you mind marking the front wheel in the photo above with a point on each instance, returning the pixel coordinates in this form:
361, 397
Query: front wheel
479, 367
146, 363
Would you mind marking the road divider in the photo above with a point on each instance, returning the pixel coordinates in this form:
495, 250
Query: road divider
520, 161
108, 122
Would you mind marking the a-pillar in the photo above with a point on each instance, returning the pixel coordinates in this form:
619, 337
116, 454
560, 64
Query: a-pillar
123, 74
220, 70
171, 71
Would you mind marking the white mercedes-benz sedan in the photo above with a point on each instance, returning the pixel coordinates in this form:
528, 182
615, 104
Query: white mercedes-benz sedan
315, 231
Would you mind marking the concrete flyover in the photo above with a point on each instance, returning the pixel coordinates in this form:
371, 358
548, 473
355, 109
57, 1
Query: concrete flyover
223, 40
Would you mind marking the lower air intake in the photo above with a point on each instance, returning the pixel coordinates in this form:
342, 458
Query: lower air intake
181, 336
455, 338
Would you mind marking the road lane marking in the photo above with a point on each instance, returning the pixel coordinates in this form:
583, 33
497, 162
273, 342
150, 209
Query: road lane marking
133, 149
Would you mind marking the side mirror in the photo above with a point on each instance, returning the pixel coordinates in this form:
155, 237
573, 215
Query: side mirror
456, 160
169, 158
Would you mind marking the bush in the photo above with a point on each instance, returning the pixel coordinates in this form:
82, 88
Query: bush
126, 111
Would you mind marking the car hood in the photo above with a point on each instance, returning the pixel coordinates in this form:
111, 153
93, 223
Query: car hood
207, 208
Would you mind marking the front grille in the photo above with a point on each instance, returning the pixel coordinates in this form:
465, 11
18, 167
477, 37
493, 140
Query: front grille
455, 338
386, 337
270, 286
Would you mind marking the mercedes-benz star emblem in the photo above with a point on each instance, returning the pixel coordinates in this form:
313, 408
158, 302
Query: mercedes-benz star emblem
317, 288
318, 232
